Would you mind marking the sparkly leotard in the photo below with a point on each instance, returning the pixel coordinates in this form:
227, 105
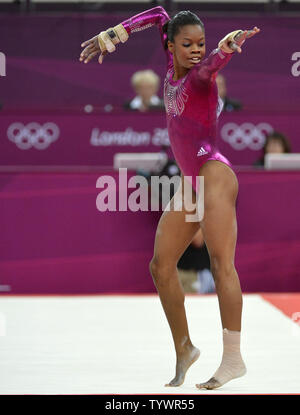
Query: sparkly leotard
192, 102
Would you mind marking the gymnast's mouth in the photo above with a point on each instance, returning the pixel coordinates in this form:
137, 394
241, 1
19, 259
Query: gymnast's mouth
195, 60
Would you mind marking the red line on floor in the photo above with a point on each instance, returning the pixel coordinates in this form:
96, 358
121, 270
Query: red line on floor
288, 303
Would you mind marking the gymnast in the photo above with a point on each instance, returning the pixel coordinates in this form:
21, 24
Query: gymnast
192, 109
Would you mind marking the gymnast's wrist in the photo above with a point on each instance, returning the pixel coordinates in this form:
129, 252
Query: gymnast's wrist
224, 53
224, 44
121, 32
114, 34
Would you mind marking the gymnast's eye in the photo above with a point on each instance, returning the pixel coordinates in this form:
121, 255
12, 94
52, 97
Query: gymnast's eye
186, 46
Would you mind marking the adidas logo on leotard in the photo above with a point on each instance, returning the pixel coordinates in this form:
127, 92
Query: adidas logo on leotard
202, 152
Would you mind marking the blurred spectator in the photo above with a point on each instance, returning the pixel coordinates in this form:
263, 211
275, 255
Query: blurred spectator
229, 103
169, 169
194, 267
276, 142
146, 85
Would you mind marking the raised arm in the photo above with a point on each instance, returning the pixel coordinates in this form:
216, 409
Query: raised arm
219, 57
156, 16
216, 60
105, 42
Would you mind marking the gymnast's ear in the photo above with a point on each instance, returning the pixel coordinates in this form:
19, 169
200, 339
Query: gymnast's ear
170, 46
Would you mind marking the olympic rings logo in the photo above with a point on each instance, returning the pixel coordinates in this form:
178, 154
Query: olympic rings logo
33, 135
246, 135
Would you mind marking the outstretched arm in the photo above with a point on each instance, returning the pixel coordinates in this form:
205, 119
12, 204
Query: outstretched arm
105, 42
220, 57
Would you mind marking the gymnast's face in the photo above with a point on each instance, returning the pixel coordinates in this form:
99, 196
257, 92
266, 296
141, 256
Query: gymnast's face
189, 43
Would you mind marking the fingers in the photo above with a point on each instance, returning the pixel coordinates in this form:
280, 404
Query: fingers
101, 57
90, 52
253, 32
87, 42
241, 37
100, 43
235, 46
246, 34
90, 57
89, 49
91, 46
85, 56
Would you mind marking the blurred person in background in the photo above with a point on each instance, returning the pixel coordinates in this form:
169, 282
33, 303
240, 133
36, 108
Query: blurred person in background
146, 85
229, 104
275, 142
194, 267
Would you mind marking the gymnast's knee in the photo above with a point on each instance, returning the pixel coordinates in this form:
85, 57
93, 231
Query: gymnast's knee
161, 271
221, 267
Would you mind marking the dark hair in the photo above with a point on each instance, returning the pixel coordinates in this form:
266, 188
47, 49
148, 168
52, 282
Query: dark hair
172, 26
276, 135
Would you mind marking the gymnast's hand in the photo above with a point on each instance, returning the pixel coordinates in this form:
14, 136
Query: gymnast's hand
103, 43
234, 40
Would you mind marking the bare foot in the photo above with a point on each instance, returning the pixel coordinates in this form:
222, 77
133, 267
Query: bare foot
182, 365
212, 383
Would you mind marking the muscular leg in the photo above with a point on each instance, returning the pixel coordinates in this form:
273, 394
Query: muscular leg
173, 236
220, 232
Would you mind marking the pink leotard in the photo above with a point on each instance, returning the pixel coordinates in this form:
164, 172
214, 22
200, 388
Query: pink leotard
192, 102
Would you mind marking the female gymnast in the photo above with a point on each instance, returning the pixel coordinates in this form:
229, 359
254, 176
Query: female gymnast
192, 107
